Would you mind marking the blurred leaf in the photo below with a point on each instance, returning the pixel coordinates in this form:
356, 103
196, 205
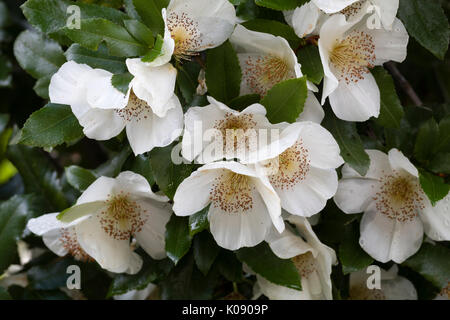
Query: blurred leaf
352, 149
223, 73
426, 139
440, 163
205, 251
286, 100
4, 295
50, 276
426, 22
229, 266
178, 240
433, 186
50, 126
263, 261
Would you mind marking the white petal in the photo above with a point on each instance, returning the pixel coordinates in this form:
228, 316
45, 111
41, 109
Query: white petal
99, 190
152, 236
112, 255
387, 239
167, 48
354, 194
101, 93
154, 85
388, 11
356, 101
436, 220
305, 18
399, 288
146, 133
271, 200
53, 241
312, 111
276, 292
399, 162
101, 124
137, 186
379, 166
333, 6
45, 223
287, 245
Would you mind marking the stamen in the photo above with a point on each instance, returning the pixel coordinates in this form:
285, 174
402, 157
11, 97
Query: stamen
184, 32
232, 192
123, 217
352, 9
305, 264
293, 166
400, 197
136, 109
353, 56
69, 241
262, 73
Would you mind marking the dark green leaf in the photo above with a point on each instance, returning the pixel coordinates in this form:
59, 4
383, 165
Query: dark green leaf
198, 221
309, 58
352, 149
156, 51
113, 166
149, 11
50, 126
205, 251
426, 138
50, 276
122, 82
242, 102
286, 100
178, 240
187, 80
391, 112
274, 27
440, 163
223, 73
41, 87
280, 4
140, 32
4, 295
141, 165
433, 186
443, 142
263, 261
352, 257
229, 266
79, 178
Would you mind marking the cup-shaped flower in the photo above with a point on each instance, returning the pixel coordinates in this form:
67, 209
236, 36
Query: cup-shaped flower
150, 111
304, 175
265, 61
105, 218
391, 286
312, 259
348, 51
396, 210
243, 206
216, 132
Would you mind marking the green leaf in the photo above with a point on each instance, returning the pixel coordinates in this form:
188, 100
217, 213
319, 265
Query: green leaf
156, 51
14, 215
149, 11
141, 165
426, 138
433, 186
426, 21
5, 70
198, 222
273, 27
50, 276
140, 32
352, 257
168, 175
96, 59
187, 80
79, 178
433, 263
309, 58
205, 251
178, 240
41, 87
280, 4
49, 16
223, 73
263, 261
50, 126
122, 82
443, 142
440, 163
113, 166
352, 149
38, 55
286, 100
119, 42
151, 271
229, 266
242, 102
391, 112
38, 174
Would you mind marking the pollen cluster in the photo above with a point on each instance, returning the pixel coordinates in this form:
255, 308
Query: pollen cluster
293, 166
399, 197
122, 217
184, 31
353, 56
263, 72
305, 264
69, 241
352, 9
136, 109
232, 192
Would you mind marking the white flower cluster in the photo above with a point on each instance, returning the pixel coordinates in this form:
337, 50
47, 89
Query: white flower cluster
249, 198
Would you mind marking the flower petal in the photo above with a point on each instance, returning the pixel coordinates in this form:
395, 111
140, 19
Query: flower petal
101, 124
399, 162
312, 111
436, 220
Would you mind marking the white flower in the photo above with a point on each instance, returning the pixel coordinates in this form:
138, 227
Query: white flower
348, 51
392, 286
105, 217
266, 60
243, 205
215, 132
311, 257
304, 175
150, 111
396, 210
192, 26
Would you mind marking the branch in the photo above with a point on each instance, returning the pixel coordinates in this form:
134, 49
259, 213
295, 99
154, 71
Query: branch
404, 84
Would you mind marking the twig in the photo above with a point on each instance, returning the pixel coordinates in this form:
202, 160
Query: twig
404, 84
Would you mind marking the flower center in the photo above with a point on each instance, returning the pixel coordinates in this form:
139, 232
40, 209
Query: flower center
353, 56
293, 166
123, 217
305, 264
262, 73
136, 109
232, 192
399, 197
352, 9
69, 241
184, 31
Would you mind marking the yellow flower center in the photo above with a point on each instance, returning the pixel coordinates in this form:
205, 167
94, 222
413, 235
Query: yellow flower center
184, 31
